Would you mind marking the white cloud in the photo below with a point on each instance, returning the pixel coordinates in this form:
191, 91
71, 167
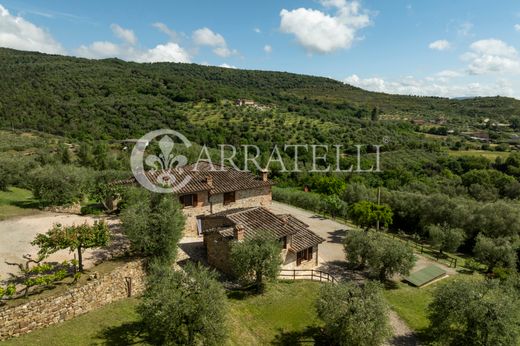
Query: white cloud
174, 37
125, 34
440, 45
268, 49
321, 32
227, 66
433, 87
492, 56
257, 30
448, 74
464, 29
206, 37
18, 33
166, 52
517, 27
225, 52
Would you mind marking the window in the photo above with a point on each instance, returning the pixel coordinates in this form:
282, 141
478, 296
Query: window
283, 241
304, 255
188, 200
229, 197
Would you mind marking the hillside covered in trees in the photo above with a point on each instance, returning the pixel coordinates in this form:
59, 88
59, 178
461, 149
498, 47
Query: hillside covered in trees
113, 99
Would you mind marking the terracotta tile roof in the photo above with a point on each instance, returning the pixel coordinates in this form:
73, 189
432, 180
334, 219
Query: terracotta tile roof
204, 177
258, 221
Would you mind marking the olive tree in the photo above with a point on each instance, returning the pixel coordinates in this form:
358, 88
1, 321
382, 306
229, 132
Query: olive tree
256, 259
383, 255
354, 315
445, 238
186, 307
153, 223
475, 313
495, 252
60, 184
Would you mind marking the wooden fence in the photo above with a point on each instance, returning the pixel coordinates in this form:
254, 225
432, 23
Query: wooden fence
307, 274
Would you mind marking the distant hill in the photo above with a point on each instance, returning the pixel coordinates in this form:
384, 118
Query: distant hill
113, 99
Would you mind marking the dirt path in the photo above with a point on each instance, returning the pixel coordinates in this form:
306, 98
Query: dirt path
16, 236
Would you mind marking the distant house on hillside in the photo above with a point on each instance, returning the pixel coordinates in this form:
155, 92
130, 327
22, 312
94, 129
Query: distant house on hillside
244, 102
299, 243
479, 136
213, 188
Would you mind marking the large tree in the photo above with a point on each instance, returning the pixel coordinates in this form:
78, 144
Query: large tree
367, 214
383, 255
75, 238
354, 315
256, 259
445, 238
495, 252
475, 313
153, 223
60, 184
184, 307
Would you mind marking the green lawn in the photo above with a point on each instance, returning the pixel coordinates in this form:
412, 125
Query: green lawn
284, 314
411, 303
16, 202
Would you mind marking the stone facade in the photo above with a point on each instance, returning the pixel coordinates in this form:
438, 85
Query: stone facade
205, 206
124, 281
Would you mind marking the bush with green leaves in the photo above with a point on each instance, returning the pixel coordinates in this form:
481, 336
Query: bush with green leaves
60, 184
186, 307
383, 255
255, 259
74, 238
495, 252
154, 223
445, 238
354, 314
475, 313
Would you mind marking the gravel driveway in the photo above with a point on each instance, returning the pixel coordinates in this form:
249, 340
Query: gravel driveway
16, 236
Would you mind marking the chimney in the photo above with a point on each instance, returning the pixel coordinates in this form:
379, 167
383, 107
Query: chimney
209, 180
264, 174
239, 232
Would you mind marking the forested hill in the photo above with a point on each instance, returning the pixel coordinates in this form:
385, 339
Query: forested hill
116, 99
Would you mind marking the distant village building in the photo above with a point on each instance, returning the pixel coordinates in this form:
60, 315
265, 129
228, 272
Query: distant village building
299, 243
479, 136
418, 121
244, 102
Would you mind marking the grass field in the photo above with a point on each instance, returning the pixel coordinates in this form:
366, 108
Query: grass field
411, 303
283, 315
16, 202
490, 155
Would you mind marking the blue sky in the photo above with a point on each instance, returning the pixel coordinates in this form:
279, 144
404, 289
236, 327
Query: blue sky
443, 48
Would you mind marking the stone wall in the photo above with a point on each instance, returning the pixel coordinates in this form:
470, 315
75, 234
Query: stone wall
39, 313
244, 199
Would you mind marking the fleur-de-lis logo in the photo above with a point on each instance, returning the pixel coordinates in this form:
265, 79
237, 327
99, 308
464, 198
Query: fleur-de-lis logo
164, 162
166, 159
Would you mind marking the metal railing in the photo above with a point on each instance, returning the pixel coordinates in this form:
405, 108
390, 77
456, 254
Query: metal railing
306, 274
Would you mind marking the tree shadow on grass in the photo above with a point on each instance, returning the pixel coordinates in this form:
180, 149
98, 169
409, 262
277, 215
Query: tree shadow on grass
123, 335
312, 335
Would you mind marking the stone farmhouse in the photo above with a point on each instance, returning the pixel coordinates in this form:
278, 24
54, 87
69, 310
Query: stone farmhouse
299, 243
224, 204
213, 188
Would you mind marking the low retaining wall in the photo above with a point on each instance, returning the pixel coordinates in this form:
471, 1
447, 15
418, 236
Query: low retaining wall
43, 312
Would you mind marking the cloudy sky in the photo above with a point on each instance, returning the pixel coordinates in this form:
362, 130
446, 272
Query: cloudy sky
442, 47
